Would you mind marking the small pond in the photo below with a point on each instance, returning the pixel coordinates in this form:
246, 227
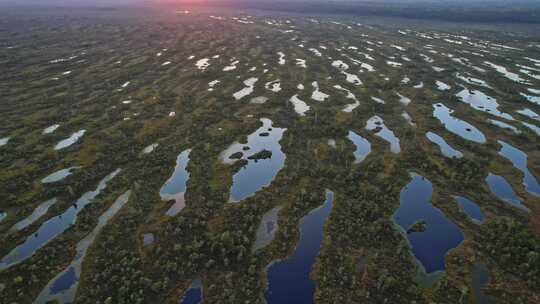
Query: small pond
70, 140
175, 187
446, 149
194, 294
363, 147
40, 211
480, 277
57, 176
503, 190
376, 124
457, 126
430, 233
482, 102
519, 160
258, 172
267, 229
471, 209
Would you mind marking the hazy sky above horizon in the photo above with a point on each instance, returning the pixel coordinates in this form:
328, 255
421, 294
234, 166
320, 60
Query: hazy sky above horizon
121, 2
202, 1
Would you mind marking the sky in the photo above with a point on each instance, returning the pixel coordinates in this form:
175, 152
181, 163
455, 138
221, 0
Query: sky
500, 11
476, 4
89, 2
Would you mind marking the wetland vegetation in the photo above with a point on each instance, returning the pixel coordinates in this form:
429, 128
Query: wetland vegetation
207, 155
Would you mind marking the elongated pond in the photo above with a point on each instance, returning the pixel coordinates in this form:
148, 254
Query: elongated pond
363, 147
150, 148
480, 277
267, 229
504, 125
503, 190
532, 127
175, 187
70, 140
457, 126
471, 209
36, 214
430, 233
519, 160
288, 280
50, 129
482, 102
57, 176
446, 149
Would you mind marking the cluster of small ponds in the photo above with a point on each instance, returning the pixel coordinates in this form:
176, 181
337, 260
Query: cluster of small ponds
430, 233
288, 280
63, 286
53, 227
290, 277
